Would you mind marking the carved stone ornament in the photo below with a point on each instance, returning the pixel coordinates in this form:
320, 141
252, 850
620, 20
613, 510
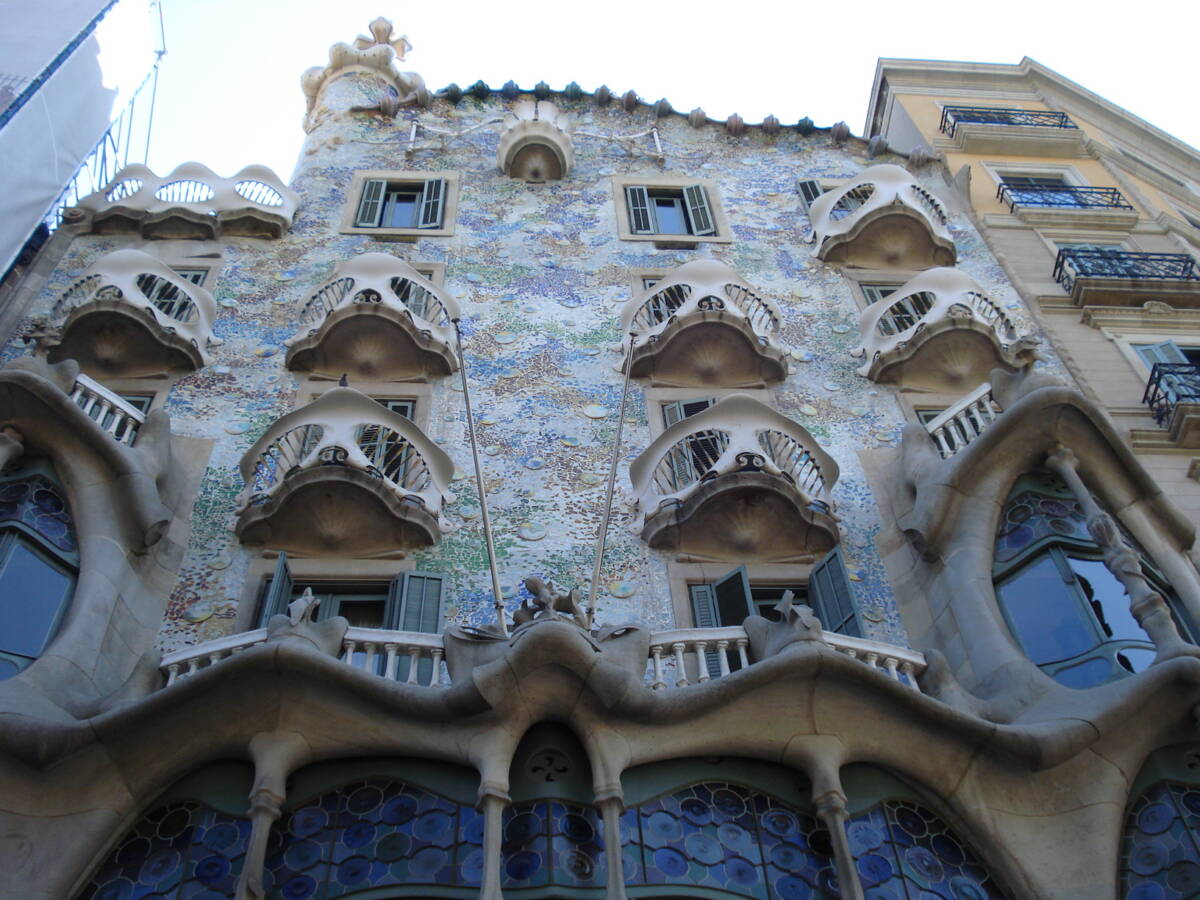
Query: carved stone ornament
297, 628
535, 144
796, 624
546, 603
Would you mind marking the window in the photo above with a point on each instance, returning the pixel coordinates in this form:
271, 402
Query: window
733, 597
1039, 190
1167, 352
694, 456
1067, 611
140, 402
679, 410
412, 601
876, 292
669, 210
195, 276
401, 204
809, 191
38, 562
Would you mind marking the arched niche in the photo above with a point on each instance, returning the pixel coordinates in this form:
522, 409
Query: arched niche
1160, 845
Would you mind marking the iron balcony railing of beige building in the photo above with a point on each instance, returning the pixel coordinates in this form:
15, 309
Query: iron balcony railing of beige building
703, 325
1112, 277
677, 658
1059, 196
953, 116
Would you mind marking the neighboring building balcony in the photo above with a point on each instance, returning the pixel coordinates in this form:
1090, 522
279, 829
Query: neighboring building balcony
988, 129
377, 318
938, 332
1173, 395
1064, 204
535, 144
737, 481
702, 325
131, 315
192, 203
677, 659
882, 219
1096, 277
344, 476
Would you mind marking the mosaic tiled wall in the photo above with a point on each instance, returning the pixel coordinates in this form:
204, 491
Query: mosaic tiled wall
541, 277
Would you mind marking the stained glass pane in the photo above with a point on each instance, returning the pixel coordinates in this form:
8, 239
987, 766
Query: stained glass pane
39, 503
1159, 855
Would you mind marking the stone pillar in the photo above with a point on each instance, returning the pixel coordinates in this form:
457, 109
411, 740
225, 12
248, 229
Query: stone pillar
492, 800
611, 805
276, 754
1148, 605
831, 810
12, 445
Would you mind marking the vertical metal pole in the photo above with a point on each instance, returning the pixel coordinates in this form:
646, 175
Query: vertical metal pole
593, 594
498, 601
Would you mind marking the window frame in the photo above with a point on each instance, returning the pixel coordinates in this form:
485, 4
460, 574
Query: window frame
650, 183
452, 181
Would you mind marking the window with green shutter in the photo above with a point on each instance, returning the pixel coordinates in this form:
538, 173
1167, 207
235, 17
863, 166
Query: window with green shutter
670, 211
402, 204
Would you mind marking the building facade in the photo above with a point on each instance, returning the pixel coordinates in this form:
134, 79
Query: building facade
552, 494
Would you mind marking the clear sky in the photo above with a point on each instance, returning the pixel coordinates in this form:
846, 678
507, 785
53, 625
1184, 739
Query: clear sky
229, 93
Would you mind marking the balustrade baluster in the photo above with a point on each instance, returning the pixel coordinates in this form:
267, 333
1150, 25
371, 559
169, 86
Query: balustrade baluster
889, 663
348, 654
389, 666
659, 683
722, 659
906, 668
741, 649
172, 673
414, 657
369, 662
681, 679
702, 673
436, 679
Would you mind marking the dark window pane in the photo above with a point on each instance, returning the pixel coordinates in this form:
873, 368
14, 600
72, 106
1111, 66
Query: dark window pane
669, 213
1108, 600
1046, 615
31, 594
399, 210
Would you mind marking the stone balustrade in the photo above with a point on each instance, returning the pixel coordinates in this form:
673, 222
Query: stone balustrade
939, 330
703, 324
113, 414
960, 424
677, 658
344, 473
882, 218
192, 202
131, 314
377, 317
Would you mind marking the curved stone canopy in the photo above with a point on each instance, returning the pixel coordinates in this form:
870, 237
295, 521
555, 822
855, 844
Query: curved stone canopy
899, 225
535, 144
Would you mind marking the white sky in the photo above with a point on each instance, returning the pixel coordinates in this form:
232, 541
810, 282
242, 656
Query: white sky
229, 92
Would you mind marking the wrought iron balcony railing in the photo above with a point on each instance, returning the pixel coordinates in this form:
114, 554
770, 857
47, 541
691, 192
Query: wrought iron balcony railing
1061, 196
1171, 384
953, 116
1073, 264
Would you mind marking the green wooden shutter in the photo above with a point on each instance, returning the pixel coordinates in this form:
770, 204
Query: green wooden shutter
732, 596
641, 219
672, 413
831, 595
433, 201
278, 594
698, 212
421, 606
370, 205
809, 190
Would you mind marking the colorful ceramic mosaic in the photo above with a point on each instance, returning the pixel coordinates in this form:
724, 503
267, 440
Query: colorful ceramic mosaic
541, 275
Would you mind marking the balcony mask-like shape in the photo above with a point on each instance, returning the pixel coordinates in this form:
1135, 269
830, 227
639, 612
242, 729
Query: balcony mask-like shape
344, 476
377, 318
939, 331
882, 219
703, 326
535, 144
131, 315
192, 203
737, 481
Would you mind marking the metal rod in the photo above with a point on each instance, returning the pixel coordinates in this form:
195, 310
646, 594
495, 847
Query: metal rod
498, 601
612, 478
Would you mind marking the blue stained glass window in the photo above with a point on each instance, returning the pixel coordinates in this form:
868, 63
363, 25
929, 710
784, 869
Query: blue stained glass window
902, 850
374, 833
39, 503
179, 850
730, 838
1160, 856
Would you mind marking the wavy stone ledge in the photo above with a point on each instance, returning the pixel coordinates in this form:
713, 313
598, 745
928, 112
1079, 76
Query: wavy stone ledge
709, 348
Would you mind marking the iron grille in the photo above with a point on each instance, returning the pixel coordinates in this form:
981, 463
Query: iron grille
1072, 264
953, 116
1171, 384
1061, 196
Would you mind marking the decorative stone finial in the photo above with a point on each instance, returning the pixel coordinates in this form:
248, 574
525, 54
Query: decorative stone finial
697, 117
735, 125
876, 146
840, 132
453, 93
479, 90
663, 108
770, 125
510, 90
381, 33
629, 100
805, 126
573, 91
541, 90
603, 95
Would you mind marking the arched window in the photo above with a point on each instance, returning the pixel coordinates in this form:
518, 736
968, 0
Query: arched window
39, 558
1068, 612
1160, 849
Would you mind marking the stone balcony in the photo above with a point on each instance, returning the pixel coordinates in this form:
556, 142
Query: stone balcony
192, 203
702, 325
344, 476
131, 315
737, 481
939, 332
535, 144
882, 219
377, 318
